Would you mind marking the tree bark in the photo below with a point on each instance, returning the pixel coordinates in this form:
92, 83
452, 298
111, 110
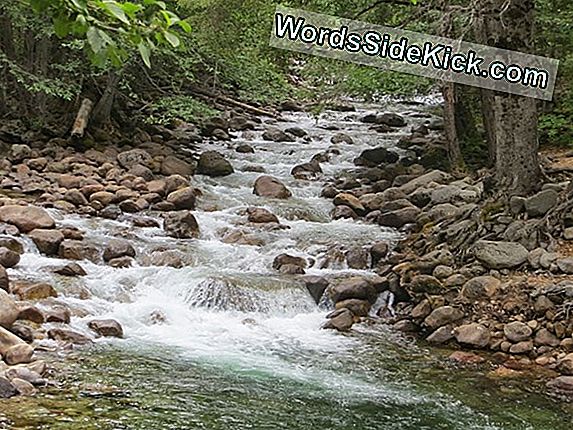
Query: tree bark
512, 122
102, 111
82, 118
487, 112
452, 137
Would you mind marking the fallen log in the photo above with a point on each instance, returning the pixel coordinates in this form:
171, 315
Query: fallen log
229, 101
82, 118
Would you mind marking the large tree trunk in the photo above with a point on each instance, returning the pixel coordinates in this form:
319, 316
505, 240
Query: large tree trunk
512, 124
450, 125
488, 123
102, 110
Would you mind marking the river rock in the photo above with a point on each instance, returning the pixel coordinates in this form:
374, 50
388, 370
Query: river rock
346, 199
37, 291
426, 284
4, 279
183, 198
562, 383
517, 331
285, 259
539, 204
358, 307
545, 338
565, 365
421, 310
47, 241
31, 313
261, 216
58, 314
422, 181
8, 258
172, 165
75, 197
341, 138
8, 310
213, 163
306, 170
106, 328
375, 156
24, 388
118, 248
442, 316
128, 159
378, 252
391, 119
26, 218
357, 258
399, 218
277, 135
480, 288
12, 244
341, 321
71, 269
68, 336
7, 390
181, 225
500, 255
353, 288
565, 265
474, 335
316, 286
267, 186
18, 354
8, 340
78, 250
343, 212
521, 347
441, 335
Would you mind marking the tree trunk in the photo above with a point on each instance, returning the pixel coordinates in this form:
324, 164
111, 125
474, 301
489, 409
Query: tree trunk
512, 124
452, 137
488, 123
102, 111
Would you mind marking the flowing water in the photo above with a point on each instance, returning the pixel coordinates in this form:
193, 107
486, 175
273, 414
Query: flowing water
226, 343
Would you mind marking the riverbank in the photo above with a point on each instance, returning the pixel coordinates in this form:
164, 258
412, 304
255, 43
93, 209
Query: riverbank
211, 255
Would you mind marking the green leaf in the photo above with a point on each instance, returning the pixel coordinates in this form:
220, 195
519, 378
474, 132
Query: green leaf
173, 39
62, 27
95, 39
80, 4
131, 8
145, 53
184, 26
115, 10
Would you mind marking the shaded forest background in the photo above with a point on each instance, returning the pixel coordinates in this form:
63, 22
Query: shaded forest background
151, 62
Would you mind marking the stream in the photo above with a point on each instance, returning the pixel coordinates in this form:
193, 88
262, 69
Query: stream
226, 342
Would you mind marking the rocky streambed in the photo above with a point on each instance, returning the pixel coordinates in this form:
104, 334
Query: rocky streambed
181, 279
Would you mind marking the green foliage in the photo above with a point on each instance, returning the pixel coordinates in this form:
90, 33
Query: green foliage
169, 109
112, 28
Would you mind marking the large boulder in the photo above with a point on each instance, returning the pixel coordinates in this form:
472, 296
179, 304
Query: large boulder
47, 241
376, 156
212, 163
78, 250
26, 218
517, 331
346, 199
183, 199
500, 255
8, 310
37, 291
442, 316
400, 217
267, 186
539, 204
174, 166
181, 225
479, 288
474, 335
277, 135
118, 248
8, 258
129, 159
106, 328
353, 288
261, 216
421, 181
341, 320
